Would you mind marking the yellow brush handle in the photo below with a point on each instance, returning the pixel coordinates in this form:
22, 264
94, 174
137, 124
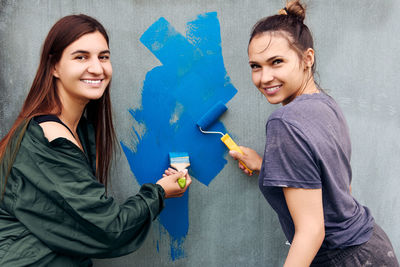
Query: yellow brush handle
182, 182
233, 146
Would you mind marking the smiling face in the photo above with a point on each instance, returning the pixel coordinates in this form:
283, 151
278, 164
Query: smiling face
277, 70
84, 70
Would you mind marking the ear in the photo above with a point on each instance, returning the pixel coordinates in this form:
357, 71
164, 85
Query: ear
55, 71
308, 58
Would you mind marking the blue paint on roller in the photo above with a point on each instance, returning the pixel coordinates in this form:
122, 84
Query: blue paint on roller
191, 79
211, 116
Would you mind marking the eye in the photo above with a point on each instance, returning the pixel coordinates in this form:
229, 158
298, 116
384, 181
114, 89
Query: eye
254, 66
81, 57
277, 61
104, 57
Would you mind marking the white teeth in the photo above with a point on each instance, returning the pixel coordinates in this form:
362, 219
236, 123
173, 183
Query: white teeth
92, 81
272, 88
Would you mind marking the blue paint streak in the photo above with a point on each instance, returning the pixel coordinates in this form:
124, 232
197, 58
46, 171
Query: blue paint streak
192, 76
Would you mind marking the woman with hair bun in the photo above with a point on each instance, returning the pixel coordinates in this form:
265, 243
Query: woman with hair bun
305, 173
55, 161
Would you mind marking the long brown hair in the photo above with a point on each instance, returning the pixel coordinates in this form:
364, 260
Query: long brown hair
43, 99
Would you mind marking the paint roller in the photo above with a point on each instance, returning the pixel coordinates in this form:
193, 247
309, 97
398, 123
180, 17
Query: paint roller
209, 118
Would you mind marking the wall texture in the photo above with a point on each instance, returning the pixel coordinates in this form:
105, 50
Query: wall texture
223, 220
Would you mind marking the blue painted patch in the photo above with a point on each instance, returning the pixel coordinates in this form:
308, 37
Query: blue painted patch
190, 81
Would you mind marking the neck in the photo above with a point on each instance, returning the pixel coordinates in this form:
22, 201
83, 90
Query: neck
308, 88
71, 119
71, 111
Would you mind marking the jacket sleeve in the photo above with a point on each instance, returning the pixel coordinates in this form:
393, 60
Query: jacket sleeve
58, 199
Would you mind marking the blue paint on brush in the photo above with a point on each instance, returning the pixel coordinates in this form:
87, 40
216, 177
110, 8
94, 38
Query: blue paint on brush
179, 157
191, 80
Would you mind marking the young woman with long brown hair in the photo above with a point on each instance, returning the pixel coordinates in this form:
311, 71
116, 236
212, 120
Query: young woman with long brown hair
55, 161
305, 174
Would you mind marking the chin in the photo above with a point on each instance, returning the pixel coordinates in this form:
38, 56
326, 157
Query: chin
95, 95
273, 100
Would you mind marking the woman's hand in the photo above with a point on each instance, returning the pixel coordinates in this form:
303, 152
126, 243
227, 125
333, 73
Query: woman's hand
169, 182
249, 157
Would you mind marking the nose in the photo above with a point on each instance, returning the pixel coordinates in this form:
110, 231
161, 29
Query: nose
266, 76
95, 67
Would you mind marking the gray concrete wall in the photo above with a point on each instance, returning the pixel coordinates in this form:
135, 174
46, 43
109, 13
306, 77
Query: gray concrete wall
229, 222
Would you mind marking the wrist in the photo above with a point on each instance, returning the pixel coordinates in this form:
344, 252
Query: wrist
160, 190
259, 164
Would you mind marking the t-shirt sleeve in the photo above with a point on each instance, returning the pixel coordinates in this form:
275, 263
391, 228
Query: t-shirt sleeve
288, 159
58, 199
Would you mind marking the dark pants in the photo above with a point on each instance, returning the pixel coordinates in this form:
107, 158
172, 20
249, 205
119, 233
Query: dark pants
376, 252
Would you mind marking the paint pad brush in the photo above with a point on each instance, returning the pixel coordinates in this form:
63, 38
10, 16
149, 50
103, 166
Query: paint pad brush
179, 161
209, 118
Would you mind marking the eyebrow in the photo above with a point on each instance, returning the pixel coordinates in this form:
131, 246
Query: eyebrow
268, 60
87, 52
274, 57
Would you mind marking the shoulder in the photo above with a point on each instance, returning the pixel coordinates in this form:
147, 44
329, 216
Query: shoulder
53, 130
311, 117
307, 109
305, 104
47, 147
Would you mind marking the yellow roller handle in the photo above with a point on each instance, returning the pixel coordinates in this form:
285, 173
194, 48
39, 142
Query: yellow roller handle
233, 146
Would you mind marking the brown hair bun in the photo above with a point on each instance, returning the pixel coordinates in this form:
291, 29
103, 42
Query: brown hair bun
294, 8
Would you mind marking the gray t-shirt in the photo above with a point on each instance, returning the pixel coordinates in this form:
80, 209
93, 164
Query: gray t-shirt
308, 146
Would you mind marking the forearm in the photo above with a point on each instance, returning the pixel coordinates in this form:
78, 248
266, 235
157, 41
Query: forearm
304, 247
305, 207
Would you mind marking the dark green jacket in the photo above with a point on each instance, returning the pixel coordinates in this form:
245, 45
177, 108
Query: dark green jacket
55, 213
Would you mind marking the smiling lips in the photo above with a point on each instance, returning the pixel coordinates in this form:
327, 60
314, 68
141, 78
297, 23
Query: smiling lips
272, 89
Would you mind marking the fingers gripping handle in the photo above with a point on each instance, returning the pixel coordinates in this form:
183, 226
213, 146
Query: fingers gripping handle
233, 146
